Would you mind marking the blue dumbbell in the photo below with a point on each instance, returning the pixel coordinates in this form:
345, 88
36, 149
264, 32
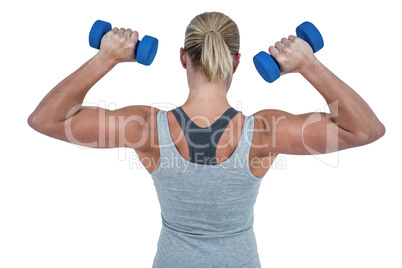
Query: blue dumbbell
268, 68
145, 49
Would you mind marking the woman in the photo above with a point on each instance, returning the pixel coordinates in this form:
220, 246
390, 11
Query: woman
207, 159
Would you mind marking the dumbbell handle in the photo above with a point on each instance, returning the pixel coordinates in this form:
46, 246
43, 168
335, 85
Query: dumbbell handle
267, 66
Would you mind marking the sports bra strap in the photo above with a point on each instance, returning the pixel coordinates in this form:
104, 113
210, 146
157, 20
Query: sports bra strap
203, 142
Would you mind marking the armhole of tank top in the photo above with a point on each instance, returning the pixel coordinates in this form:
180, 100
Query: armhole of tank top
249, 142
159, 124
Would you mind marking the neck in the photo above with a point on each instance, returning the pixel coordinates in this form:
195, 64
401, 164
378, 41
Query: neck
205, 95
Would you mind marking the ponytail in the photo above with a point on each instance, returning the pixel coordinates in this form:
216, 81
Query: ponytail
211, 40
216, 59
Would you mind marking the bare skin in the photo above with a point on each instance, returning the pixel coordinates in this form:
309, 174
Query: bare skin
350, 123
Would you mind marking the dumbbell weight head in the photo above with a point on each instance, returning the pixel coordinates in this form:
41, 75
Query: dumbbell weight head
98, 30
145, 49
309, 33
266, 66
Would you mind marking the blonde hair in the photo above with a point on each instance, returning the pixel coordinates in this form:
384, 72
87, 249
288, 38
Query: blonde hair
211, 40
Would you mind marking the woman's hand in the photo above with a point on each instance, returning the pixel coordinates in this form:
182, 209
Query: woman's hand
119, 45
293, 54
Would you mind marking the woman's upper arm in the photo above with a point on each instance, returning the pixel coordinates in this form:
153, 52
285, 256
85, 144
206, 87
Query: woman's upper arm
101, 128
311, 133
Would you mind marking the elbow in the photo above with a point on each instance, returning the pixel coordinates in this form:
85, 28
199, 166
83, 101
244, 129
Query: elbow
32, 121
377, 132
373, 133
37, 123
380, 131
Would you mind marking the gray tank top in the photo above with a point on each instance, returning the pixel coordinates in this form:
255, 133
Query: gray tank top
207, 209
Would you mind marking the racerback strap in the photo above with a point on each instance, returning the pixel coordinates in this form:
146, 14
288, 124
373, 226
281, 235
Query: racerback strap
202, 142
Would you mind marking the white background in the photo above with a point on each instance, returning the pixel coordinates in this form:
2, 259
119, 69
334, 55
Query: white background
65, 206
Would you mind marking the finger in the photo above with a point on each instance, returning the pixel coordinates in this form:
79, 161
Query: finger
292, 38
128, 32
279, 45
285, 41
273, 51
134, 36
121, 31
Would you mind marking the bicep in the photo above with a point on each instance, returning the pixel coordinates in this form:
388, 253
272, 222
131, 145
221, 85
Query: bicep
311, 133
101, 128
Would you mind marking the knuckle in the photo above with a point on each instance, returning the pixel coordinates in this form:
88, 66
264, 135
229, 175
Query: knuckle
130, 45
298, 40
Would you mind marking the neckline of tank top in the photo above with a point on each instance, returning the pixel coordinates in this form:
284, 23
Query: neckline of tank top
218, 164
211, 125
